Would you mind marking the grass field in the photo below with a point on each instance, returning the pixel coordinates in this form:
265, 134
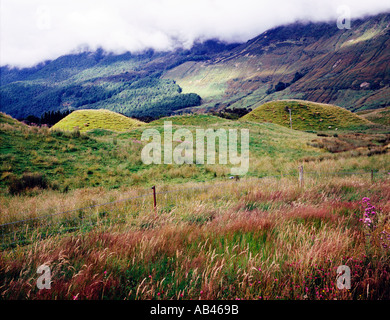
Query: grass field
210, 237
247, 239
191, 120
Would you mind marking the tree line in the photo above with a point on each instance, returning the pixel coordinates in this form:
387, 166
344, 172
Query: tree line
48, 118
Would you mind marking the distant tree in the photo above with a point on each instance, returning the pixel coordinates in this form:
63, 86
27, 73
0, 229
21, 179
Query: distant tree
281, 86
52, 117
32, 119
232, 114
297, 76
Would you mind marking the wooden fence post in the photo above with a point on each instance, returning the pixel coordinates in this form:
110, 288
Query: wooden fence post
372, 176
154, 199
301, 181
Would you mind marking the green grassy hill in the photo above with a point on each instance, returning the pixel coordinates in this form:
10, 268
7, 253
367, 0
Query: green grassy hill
306, 115
97, 119
111, 158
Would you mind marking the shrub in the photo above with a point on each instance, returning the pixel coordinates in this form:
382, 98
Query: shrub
281, 86
27, 181
57, 133
76, 132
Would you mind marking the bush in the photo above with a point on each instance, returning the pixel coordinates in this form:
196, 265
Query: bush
281, 86
57, 133
27, 181
232, 114
76, 132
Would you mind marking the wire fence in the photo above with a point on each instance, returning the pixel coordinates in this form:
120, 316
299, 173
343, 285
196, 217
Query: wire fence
41, 226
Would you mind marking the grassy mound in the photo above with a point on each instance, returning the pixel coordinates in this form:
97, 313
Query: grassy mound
191, 120
306, 115
86, 120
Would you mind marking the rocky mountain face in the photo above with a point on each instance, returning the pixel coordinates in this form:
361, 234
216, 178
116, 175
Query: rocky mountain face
313, 61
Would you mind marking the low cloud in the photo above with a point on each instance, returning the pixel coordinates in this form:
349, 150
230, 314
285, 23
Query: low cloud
32, 31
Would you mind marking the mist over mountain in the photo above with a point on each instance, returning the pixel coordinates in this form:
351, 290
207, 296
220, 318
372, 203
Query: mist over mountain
314, 61
33, 31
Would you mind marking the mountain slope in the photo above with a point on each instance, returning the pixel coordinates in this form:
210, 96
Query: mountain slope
127, 83
315, 61
308, 61
124, 83
380, 116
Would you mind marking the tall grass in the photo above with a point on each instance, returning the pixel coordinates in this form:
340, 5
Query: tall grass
248, 239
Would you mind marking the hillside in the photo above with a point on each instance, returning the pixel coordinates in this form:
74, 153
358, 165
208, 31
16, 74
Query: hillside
111, 158
86, 120
308, 61
379, 116
305, 115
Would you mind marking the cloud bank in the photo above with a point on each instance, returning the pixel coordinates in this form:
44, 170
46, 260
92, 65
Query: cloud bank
32, 31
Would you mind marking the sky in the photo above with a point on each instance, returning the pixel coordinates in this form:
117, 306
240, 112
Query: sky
32, 31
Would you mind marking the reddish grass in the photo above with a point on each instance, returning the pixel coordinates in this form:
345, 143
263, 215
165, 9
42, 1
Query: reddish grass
289, 251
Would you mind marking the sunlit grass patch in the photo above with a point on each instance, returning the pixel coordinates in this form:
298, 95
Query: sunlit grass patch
84, 120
